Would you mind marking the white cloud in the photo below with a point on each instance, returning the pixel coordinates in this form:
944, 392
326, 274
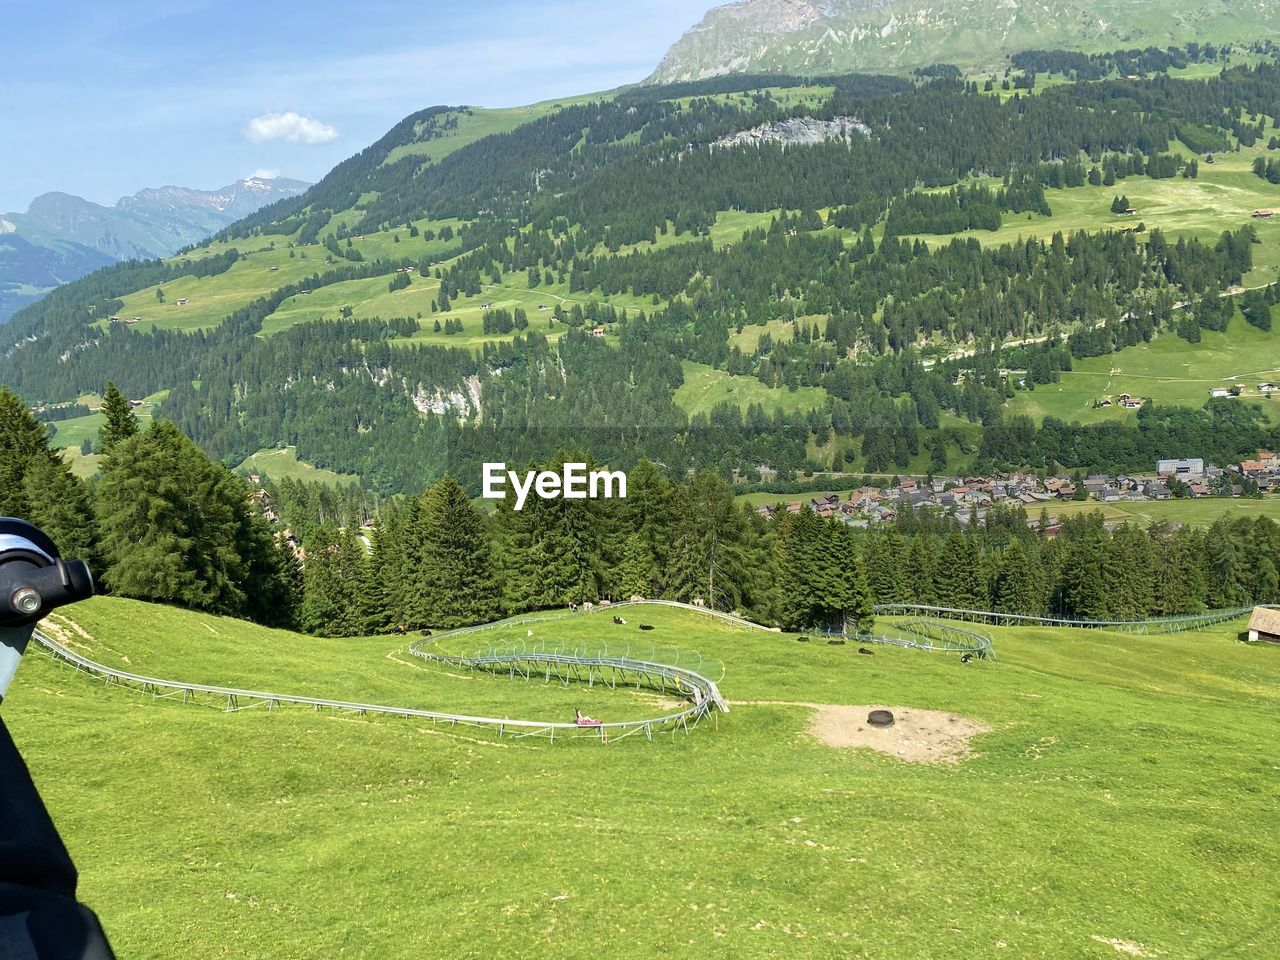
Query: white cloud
264, 174
290, 126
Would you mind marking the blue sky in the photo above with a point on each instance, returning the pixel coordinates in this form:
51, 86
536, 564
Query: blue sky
100, 99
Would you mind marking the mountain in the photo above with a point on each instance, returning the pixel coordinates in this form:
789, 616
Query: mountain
834, 36
755, 274
62, 237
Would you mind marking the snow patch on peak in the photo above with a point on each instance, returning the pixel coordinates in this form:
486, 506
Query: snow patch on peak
7, 227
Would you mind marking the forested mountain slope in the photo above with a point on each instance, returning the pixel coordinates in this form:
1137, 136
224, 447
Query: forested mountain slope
444, 298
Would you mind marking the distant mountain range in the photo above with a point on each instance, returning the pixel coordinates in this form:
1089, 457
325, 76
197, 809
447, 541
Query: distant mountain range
835, 36
63, 237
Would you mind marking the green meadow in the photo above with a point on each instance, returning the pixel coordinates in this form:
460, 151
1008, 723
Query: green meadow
1201, 512
284, 464
1168, 370
1120, 802
704, 387
1222, 197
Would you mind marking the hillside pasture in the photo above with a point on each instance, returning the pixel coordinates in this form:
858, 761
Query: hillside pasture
284, 464
1168, 370
1120, 777
705, 387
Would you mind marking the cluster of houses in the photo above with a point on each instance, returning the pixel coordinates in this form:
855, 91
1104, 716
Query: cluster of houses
1124, 400
969, 498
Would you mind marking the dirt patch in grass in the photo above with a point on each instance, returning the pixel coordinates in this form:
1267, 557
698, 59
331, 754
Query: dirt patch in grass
918, 736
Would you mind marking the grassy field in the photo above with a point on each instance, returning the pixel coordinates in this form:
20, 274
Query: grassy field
1223, 197
284, 463
1197, 513
481, 122
1168, 370
1121, 780
704, 387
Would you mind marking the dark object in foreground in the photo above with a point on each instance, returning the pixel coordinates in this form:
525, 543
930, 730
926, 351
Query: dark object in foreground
645, 626
865, 652
967, 658
836, 643
39, 916
802, 639
880, 718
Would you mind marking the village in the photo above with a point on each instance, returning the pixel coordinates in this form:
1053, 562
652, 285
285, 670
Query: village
968, 499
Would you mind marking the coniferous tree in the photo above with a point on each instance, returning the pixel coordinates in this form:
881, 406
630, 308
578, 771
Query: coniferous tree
639, 572
1016, 588
59, 505
456, 577
121, 423
23, 441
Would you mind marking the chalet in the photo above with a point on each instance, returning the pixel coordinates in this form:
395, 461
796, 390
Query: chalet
1110, 494
908, 484
113, 319
1130, 211
597, 332
1104, 402
1264, 214
727, 248
1267, 388
273, 269
1198, 489
1264, 625
1220, 392
135, 403
1268, 459
1251, 466
1131, 403
182, 301
792, 232
133, 320
1158, 491
1096, 484
1067, 491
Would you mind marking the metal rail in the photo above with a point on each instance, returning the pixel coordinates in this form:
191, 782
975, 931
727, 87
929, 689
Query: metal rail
1194, 621
701, 692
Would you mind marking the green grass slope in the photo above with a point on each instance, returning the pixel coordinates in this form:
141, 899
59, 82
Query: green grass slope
1124, 795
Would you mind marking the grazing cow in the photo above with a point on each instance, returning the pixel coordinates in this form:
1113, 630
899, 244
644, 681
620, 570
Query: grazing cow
619, 621
802, 639
699, 602
967, 658
645, 626
588, 607
426, 633
636, 598
400, 630
836, 643
606, 603
573, 608
865, 652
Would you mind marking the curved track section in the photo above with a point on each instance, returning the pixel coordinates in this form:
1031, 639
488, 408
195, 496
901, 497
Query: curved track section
1196, 621
701, 693
625, 666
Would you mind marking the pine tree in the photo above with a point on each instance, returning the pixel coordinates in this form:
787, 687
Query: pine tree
59, 505
121, 423
798, 570
1016, 589
456, 577
639, 572
23, 441
959, 580
845, 594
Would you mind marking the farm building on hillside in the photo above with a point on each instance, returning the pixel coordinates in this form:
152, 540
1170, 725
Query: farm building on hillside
1264, 214
1264, 625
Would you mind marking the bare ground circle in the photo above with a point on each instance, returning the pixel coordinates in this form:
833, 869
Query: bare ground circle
917, 736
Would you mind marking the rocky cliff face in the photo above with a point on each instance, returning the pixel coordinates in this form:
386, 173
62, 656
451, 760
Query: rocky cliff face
838, 36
